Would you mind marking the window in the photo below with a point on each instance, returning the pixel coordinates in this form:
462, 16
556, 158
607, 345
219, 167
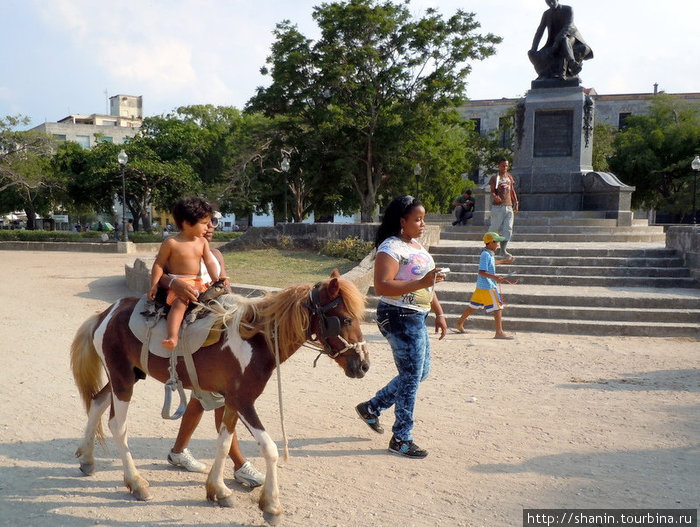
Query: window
505, 130
59, 137
622, 118
83, 140
106, 139
477, 125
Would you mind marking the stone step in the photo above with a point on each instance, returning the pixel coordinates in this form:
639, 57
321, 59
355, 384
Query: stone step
457, 271
524, 218
631, 299
523, 307
482, 321
590, 281
471, 260
571, 238
561, 249
560, 229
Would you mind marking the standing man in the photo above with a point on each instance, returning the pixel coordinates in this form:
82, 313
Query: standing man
464, 208
504, 204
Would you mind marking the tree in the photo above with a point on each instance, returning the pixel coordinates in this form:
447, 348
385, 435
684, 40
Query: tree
27, 180
375, 80
653, 152
603, 147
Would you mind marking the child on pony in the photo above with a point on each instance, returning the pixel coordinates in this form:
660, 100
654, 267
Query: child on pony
182, 255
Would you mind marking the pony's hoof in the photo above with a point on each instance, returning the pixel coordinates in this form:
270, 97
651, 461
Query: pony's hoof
272, 519
142, 494
87, 468
228, 502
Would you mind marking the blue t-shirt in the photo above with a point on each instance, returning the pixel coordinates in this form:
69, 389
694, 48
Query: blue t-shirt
487, 262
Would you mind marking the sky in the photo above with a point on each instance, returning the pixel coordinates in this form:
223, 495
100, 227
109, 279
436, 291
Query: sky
62, 57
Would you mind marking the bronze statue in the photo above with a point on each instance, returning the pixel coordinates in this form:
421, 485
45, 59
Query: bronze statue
565, 50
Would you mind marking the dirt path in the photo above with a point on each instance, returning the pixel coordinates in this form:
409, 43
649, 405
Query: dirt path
558, 421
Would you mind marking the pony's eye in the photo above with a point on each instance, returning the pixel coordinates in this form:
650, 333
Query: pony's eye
347, 322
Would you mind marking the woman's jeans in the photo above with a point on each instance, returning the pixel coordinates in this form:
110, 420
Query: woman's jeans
408, 336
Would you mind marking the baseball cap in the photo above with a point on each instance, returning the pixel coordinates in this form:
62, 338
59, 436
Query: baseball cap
493, 237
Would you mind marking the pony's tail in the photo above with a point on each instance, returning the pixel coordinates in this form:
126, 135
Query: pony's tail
86, 365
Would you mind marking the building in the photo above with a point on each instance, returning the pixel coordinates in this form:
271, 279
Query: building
491, 115
124, 121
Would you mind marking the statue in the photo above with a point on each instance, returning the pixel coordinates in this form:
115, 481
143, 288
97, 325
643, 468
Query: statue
565, 50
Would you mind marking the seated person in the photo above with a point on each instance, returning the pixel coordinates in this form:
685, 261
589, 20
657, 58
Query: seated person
182, 255
562, 55
464, 208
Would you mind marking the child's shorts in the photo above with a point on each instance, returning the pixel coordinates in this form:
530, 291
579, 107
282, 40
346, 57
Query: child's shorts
487, 299
194, 281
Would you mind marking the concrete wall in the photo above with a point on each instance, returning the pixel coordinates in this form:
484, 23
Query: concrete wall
686, 240
118, 134
302, 235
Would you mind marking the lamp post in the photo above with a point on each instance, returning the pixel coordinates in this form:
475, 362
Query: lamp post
284, 165
695, 164
416, 173
123, 160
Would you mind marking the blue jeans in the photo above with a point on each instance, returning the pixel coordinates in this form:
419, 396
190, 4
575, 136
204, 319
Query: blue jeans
408, 336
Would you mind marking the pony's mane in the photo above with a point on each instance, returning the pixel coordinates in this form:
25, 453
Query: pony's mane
285, 309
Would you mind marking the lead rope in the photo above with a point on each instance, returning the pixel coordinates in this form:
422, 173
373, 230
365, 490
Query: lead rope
279, 393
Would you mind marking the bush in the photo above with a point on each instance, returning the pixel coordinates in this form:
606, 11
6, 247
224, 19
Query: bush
47, 236
221, 236
353, 249
93, 236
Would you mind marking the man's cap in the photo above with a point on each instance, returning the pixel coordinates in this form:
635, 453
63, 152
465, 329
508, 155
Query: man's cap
493, 237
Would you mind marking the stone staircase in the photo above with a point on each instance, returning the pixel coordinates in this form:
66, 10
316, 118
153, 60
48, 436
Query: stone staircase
577, 273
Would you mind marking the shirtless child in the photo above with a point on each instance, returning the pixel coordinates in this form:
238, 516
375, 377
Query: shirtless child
182, 255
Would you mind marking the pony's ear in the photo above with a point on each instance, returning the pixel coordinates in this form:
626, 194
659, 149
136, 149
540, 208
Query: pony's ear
333, 287
335, 273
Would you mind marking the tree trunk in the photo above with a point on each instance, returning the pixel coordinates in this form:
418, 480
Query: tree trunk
31, 218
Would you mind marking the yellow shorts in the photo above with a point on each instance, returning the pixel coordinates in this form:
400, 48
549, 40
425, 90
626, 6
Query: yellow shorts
487, 299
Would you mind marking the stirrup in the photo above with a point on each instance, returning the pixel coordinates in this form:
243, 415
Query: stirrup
170, 387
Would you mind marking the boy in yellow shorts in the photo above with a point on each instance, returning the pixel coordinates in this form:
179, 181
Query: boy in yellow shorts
486, 295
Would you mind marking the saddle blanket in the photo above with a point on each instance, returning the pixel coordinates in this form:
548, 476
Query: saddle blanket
192, 336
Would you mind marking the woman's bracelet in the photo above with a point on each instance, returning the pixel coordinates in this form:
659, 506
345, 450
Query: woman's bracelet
441, 315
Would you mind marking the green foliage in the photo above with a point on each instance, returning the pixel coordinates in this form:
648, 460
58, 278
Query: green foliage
603, 147
27, 179
48, 236
353, 249
363, 102
653, 152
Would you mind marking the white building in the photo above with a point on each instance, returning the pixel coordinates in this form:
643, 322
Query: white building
124, 121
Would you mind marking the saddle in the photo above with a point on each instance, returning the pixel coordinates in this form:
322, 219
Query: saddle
147, 323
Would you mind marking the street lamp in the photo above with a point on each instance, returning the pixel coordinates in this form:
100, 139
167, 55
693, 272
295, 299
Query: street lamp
416, 173
123, 160
284, 165
696, 167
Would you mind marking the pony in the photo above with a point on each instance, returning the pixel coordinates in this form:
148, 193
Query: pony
257, 335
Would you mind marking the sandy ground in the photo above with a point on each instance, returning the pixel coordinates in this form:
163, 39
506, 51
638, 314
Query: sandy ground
558, 421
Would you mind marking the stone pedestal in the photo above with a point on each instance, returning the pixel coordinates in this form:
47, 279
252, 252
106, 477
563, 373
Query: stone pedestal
554, 148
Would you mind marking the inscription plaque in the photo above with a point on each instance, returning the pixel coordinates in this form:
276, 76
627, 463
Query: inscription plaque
553, 133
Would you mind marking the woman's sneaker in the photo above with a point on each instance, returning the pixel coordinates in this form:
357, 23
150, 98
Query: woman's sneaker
371, 420
249, 476
185, 460
406, 449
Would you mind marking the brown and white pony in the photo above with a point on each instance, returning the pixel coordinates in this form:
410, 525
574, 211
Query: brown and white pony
237, 366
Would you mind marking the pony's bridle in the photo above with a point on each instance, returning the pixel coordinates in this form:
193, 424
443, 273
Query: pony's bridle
330, 325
